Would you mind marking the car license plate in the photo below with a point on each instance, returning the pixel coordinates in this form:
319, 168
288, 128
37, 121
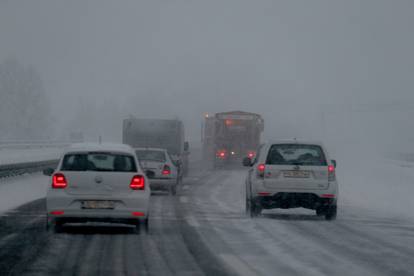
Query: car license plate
98, 204
296, 174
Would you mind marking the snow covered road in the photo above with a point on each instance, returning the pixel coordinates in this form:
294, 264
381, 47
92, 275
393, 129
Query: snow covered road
203, 230
296, 242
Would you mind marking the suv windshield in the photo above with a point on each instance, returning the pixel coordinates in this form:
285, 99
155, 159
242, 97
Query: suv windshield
151, 155
294, 154
107, 162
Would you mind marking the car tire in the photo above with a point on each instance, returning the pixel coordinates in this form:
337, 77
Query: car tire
331, 212
58, 226
255, 209
142, 225
247, 207
146, 225
48, 223
320, 211
173, 189
137, 227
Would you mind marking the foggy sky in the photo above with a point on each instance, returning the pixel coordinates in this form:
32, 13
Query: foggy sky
283, 59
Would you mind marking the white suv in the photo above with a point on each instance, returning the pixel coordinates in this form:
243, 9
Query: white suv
292, 174
98, 182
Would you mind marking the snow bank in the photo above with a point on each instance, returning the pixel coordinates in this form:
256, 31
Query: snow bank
371, 181
19, 190
13, 156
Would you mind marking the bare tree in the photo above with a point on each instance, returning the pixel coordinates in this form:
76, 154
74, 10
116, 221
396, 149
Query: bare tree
24, 109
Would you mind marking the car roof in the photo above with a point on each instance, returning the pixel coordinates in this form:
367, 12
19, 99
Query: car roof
295, 141
107, 147
156, 149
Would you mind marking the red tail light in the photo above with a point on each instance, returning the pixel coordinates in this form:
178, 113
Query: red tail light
138, 214
166, 170
137, 183
251, 154
261, 170
57, 213
221, 153
59, 181
328, 196
331, 173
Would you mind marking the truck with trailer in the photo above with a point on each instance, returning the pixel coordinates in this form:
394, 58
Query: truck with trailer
229, 137
158, 133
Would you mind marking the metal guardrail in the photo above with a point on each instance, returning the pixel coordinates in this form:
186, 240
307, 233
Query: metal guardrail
32, 144
29, 167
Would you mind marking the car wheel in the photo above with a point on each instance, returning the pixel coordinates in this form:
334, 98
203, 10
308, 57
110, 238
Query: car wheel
173, 189
247, 207
58, 226
255, 209
331, 213
137, 228
320, 211
48, 223
146, 225
142, 225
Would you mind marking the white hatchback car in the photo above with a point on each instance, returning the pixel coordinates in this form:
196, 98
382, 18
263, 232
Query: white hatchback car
292, 174
98, 182
159, 168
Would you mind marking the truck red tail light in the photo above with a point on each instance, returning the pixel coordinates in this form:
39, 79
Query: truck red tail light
166, 170
251, 154
228, 122
59, 181
331, 173
137, 183
221, 154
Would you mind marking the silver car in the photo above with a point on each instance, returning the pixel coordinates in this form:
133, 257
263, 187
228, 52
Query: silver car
98, 182
159, 167
292, 174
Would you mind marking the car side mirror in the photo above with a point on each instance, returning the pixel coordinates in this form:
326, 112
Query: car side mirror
48, 171
247, 162
334, 163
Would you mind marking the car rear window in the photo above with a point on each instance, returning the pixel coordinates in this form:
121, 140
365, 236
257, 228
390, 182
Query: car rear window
105, 162
296, 154
151, 155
